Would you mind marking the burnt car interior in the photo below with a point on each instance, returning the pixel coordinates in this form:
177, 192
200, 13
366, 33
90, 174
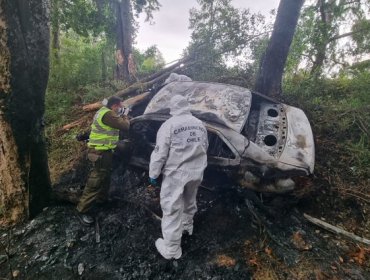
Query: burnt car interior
264, 126
144, 134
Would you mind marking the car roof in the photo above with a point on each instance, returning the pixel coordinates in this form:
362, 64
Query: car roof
212, 102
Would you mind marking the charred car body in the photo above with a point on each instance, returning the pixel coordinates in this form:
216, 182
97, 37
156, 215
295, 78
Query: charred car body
260, 142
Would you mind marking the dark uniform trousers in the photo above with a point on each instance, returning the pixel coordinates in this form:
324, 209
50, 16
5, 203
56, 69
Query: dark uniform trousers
97, 186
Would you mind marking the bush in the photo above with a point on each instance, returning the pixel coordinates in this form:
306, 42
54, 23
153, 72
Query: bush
80, 62
339, 112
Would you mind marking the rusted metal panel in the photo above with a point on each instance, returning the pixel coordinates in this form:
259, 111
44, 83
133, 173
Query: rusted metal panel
226, 104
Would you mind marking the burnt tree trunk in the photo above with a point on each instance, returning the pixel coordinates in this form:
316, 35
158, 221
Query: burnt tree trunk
273, 61
24, 50
124, 40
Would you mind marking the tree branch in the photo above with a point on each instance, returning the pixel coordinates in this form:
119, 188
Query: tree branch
336, 230
347, 34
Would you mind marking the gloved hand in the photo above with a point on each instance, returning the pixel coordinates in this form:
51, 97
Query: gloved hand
153, 182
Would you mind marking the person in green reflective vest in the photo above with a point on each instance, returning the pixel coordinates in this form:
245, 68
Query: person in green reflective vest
104, 138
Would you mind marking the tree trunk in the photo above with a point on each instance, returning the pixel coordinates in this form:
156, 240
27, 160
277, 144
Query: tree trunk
24, 42
103, 67
273, 62
322, 38
124, 40
55, 29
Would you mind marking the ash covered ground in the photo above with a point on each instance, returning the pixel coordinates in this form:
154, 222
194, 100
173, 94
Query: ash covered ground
235, 237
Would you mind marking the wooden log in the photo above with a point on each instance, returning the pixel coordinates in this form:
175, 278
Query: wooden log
92, 107
127, 103
73, 124
122, 93
144, 84
136, 99
336, 230
141, 86
166, 70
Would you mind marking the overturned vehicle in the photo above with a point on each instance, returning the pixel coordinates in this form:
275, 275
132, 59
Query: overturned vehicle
260, 143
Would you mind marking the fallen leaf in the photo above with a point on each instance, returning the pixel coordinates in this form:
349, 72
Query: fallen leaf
360, 255
253, 262
268, 251
225, 261
341, 259
299, 242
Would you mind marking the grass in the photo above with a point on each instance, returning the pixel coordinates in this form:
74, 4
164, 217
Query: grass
339, 113
63, 107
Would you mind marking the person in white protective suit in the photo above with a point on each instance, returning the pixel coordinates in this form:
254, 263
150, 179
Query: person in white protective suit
181, 155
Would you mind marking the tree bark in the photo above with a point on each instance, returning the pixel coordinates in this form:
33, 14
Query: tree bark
273, 62
124, 39
24, 42
103, 67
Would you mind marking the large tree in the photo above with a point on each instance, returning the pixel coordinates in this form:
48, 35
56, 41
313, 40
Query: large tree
125, 31
221, 33
331, 35
24, 49
114, 19
272, 63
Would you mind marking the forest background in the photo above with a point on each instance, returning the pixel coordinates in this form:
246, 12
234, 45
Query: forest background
326, 73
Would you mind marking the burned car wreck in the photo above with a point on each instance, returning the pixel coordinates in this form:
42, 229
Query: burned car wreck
259, 142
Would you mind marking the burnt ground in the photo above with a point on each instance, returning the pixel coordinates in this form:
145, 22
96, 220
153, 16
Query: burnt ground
234, 238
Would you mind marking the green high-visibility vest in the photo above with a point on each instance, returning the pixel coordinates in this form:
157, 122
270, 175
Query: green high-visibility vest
102, 137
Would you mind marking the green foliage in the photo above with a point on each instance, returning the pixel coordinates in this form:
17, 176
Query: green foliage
346, 91
92, 93
87, 17
80, 62
95, 17
59, 106
84, 61
63, 107
148, 6
361, 36
148, 62
329, 36
339, 112
223, 34
362, 151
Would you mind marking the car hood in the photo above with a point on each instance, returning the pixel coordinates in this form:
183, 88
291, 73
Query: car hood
212, 102
299, 149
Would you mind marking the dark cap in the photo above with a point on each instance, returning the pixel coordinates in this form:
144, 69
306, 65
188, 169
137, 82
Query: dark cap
113, 100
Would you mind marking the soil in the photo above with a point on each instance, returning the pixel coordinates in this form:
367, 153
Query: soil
237, 235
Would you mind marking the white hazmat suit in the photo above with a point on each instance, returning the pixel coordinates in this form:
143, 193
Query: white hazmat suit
181, 155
